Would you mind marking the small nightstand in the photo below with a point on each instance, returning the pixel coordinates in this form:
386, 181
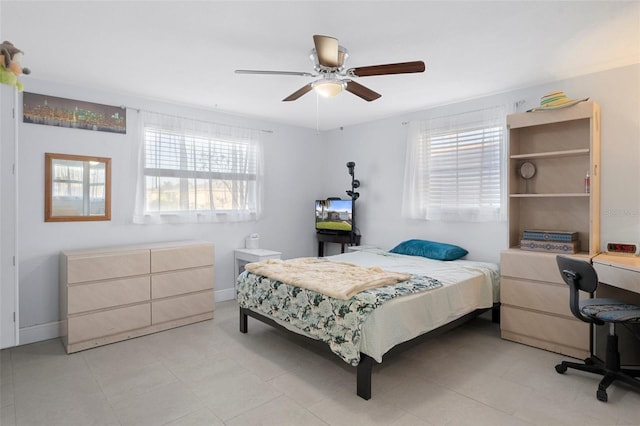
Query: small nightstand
244, 256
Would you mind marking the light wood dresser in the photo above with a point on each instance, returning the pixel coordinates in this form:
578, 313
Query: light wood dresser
116, 293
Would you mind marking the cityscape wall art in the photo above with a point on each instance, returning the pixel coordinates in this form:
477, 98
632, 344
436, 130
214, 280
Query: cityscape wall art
70, 113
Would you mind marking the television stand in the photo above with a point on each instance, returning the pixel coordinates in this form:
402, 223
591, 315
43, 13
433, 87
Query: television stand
339, 238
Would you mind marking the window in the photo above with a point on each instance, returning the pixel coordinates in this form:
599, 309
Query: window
197, 172
455, 168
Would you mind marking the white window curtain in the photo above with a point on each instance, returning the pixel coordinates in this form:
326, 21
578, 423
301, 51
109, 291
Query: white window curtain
455, 167
192, 171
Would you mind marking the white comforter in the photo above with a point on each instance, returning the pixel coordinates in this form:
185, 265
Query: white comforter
467, 286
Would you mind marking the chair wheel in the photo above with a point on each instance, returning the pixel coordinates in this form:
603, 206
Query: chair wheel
589, 361
602, 395
561, 368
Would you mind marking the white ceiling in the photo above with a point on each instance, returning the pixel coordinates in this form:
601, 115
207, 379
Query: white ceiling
186, 52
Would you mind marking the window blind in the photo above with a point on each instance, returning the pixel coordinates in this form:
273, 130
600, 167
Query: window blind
194, 174
455, 168
173, 154
185, 172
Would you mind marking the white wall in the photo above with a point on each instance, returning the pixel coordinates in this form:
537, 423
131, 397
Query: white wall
378, 149
301, 166
287, 225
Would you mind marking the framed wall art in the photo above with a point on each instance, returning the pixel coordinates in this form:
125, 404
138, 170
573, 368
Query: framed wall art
70, 113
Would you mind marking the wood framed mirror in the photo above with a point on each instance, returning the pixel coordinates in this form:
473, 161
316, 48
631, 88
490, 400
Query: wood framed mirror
76, 188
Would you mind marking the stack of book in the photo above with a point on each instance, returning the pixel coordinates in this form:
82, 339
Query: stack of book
550, 241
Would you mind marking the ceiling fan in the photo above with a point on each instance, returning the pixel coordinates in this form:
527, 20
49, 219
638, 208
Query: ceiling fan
329, 60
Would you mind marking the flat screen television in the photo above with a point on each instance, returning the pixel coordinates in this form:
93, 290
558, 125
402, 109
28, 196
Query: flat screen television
334, 216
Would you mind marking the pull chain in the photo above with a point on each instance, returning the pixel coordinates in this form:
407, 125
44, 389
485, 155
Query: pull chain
317, 113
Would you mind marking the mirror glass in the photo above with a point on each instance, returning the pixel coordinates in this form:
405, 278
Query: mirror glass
77, 188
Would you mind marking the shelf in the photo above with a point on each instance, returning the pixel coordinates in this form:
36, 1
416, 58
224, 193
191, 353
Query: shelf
560, 195
551, 154
581, 254
583, 110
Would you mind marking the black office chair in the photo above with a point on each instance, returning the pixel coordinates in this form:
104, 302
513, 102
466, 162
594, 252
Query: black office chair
580, 275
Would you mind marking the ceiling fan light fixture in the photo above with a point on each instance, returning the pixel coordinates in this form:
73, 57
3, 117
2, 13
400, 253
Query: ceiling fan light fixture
328, 88
329, 63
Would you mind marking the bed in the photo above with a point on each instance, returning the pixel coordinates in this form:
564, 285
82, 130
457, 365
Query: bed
376, 322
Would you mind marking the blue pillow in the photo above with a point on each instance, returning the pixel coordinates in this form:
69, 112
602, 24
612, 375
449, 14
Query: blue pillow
429, 249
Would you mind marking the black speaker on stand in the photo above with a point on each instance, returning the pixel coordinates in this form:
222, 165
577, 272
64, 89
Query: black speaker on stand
355, 183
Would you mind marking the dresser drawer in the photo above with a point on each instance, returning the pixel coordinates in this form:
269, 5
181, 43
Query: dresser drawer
173, 308
539, 296
186, 281
105, 323
104, 266
106, 294
181, 257
531, 265
553, 329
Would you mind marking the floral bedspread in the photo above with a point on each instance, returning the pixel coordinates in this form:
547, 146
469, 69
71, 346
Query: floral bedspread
334, 321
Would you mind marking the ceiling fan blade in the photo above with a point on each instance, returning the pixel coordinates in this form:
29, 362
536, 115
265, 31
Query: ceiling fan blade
295, 95
399, 68
361, 91
327, 50
302, 74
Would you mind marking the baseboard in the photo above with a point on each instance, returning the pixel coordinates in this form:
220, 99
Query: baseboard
226, 294
40, 332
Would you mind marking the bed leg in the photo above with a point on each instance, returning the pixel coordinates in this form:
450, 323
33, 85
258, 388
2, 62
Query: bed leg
495, 313
365, 368
243, 321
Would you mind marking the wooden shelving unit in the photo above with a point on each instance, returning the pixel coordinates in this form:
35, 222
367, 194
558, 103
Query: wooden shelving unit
563, 145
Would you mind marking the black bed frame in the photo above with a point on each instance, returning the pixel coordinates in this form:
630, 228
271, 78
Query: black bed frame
365, 367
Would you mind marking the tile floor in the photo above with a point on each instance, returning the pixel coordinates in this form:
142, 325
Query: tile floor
210, 374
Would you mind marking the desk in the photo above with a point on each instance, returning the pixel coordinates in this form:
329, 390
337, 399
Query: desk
622, 271
619, 277
341, 239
